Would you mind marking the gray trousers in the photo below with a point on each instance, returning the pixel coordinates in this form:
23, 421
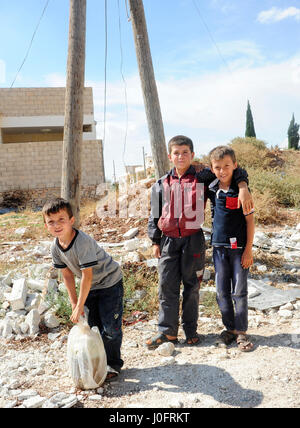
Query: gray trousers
182, 260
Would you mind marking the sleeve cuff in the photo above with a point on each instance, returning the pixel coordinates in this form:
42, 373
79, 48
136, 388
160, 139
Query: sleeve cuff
59, 266
87, 265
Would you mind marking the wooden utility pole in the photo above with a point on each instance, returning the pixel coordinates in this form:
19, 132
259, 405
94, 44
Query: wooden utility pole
73, 127
149, 88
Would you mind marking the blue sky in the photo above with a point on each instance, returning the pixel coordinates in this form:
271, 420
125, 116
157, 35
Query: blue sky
209, 58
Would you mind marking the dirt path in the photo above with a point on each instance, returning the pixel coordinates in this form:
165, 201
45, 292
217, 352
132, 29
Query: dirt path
209, 375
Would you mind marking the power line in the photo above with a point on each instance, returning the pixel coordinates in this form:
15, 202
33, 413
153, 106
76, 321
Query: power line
211, 36
28, 50
105, 72
125, 86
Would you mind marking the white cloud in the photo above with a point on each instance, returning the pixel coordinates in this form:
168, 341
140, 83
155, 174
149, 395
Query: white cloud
210, 108
55, 80
275, 14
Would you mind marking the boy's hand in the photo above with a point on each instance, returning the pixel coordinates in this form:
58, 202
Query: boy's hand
245, 199
247, 258
77, 311
156, 251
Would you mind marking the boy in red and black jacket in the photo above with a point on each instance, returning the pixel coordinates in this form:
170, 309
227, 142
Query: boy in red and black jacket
177, 214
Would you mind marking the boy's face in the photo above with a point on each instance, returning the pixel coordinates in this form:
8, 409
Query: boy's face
59, 224
181, 157
223, 169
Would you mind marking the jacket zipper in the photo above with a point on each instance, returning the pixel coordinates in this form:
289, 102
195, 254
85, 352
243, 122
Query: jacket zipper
181, 207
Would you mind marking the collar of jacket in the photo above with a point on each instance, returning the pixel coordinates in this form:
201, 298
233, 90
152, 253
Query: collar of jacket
214, 186
190, 170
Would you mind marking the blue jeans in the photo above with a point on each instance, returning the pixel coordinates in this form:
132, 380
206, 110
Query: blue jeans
232, 290
105, 311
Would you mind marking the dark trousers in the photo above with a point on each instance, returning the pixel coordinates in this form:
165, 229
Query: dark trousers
105, 311
232, 290
182, 259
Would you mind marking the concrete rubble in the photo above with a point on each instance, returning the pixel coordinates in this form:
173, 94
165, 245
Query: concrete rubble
25, 306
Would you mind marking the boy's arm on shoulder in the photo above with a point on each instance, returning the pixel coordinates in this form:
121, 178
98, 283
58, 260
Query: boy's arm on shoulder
240, 175
245, 199
204, 174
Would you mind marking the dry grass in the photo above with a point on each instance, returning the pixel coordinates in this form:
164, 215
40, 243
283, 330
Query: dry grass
274, 179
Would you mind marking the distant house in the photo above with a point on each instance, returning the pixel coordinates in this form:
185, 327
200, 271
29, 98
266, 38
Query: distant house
31, 139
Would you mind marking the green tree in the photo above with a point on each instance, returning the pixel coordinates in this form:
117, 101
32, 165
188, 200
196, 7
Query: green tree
250, 131
293, 134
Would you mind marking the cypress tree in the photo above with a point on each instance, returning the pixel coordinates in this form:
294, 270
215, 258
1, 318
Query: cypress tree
293, 134
250, 131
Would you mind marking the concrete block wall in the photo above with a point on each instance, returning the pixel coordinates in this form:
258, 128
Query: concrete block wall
18, 102
37, 165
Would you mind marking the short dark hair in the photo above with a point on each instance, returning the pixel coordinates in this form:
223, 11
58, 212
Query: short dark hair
220, 152
55, 205
180, 140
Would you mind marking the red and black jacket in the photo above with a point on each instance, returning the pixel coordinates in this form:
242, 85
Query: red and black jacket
177, 204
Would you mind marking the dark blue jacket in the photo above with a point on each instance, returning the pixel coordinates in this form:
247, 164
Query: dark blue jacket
228, 220
162, 219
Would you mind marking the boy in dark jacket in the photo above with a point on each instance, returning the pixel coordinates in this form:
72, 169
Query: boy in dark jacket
177, 214
232, 240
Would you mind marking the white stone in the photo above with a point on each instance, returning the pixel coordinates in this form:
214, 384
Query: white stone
253, 292
21, 231
176, 404
131, 233
34, 402
51, 321
32, 301
24, 327
6, 328
152, 262
260, 238
131, 245
297, 305
33, 319
166, 349
289, 306
7, 280
18, 295
262, 268
167, 360
285, 314
28, 393
35, 285
70, 402
43, 307
295, 237
95, 397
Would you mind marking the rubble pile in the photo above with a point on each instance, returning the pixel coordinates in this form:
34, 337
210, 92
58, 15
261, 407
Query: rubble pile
24, 301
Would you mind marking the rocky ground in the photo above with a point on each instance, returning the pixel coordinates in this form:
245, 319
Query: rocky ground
34, 372
33, 363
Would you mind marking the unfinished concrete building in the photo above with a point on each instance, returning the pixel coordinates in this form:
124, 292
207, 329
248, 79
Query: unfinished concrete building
31, 140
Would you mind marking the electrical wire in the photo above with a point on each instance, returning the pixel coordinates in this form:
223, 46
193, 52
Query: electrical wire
211, 36
125, 85
105, 73
31, 42
128, 15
